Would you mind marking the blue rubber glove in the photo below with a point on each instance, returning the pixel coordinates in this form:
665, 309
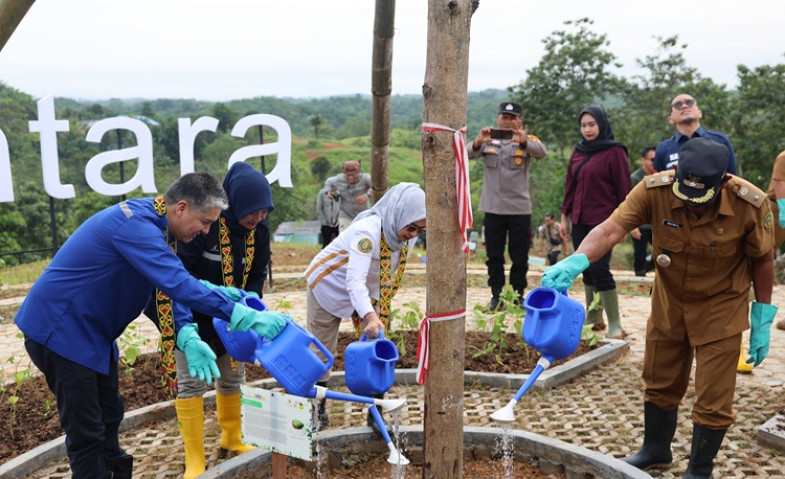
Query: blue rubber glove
232, 293
561, 275
267, 324
201, 359
781, 205
761, 317
252, 293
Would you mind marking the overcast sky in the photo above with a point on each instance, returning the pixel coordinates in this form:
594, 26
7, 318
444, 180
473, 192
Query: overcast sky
211, 50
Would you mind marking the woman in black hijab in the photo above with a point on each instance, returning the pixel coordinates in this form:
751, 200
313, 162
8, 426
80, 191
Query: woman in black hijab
598, 179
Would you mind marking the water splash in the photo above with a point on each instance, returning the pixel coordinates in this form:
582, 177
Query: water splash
505, 451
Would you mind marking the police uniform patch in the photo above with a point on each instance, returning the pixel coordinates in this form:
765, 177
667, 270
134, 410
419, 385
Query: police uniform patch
518, 161
491, 150
767, 220
365, 245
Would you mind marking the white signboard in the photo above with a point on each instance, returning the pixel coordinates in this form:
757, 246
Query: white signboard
277, 422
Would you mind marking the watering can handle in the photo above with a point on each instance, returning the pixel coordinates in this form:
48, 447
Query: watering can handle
364, 336
322, 348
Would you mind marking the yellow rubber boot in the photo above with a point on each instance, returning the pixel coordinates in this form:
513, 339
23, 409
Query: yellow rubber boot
190, 414
742, 366
228, 408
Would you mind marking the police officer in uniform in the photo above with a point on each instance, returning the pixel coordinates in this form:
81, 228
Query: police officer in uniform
712, 237
505, 196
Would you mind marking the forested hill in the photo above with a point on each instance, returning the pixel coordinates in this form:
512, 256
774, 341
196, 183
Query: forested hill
343, 116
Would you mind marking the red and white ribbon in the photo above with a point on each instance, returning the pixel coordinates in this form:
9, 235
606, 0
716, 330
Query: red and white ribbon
461, 178
424, 341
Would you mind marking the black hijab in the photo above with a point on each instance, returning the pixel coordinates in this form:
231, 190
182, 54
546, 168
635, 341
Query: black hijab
605, 139
248, 190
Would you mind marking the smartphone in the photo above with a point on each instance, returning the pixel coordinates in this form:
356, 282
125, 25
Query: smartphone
501, 134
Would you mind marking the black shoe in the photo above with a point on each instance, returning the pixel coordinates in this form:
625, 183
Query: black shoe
495, 304
121, 468
640, 273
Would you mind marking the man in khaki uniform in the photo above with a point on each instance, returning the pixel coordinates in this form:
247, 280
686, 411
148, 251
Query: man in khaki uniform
712, 236
776, 195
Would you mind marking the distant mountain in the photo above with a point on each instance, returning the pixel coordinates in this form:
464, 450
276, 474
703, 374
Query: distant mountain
344, 113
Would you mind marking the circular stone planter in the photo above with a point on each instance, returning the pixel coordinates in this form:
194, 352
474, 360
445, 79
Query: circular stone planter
352, 446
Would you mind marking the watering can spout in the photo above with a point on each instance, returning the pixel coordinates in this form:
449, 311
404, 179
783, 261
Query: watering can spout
505, 415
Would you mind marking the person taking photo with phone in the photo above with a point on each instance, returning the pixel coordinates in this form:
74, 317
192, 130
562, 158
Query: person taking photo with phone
505, 198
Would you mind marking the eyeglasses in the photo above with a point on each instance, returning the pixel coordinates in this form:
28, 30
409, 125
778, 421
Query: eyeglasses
412, 228
676, 105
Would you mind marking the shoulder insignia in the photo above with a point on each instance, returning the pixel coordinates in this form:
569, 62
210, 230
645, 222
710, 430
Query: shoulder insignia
365, 245
532, 137
659, 179
747, 191
768, 220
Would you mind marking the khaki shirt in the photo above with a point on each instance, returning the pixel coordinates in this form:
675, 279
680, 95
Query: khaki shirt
778, 174
702, 295
505, 185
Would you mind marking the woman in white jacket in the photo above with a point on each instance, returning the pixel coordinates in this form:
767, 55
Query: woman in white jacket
357, 274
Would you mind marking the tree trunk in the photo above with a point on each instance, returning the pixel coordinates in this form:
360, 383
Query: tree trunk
445, 99
381, 87
11, 14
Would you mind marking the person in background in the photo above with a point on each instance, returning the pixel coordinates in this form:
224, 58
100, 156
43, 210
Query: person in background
97, 284
685, 115
505, 197
776, 195
598, 180
552, 239
354, 190
357, 275
713, 238
327, 210
233, 253
641, 236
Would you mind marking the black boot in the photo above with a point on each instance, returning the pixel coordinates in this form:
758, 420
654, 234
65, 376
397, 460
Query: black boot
121, 468
705, 444
496, 303
659, 427
322, 419
372, 423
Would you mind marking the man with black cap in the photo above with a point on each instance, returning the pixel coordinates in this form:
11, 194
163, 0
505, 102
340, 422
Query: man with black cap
712, 237
505, 199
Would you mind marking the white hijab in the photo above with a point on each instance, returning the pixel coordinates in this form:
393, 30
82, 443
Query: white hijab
402, 205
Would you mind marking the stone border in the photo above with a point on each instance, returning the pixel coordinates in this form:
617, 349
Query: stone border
610, 350
552, 455
772, 433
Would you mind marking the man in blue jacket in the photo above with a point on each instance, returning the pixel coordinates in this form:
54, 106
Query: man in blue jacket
97, 284
685, 115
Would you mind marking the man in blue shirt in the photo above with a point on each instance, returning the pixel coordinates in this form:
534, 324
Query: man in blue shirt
686, 116
97, 284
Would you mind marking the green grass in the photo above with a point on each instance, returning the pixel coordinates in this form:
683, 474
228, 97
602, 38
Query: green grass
23, 273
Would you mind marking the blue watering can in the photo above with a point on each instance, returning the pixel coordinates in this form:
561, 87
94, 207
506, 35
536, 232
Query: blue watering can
290, 359
370, 365
553, 327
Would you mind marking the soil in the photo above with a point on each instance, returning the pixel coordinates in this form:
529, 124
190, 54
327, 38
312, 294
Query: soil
473, 468
31, 420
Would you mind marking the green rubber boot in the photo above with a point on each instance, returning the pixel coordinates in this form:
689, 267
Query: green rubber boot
593, 317
610, 301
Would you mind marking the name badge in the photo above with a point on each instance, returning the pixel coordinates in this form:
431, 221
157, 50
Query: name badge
671, 224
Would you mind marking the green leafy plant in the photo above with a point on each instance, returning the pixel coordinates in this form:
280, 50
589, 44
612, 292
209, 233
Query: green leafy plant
495, 323
283, 306
409, 320
131, 343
